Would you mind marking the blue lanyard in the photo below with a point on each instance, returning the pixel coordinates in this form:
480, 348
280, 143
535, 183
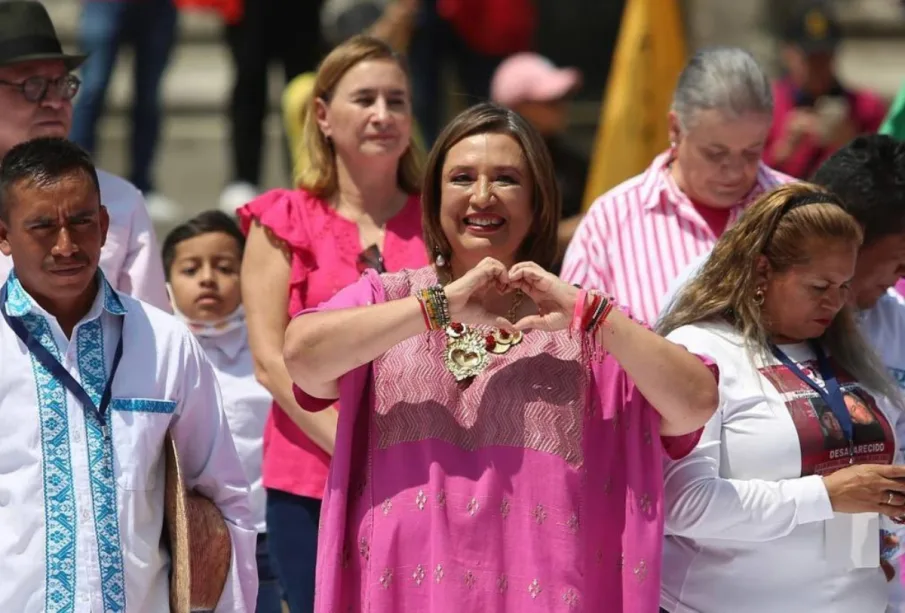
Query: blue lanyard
60, 373
831, 394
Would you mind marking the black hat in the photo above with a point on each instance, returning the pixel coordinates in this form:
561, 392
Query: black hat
813, 28
27, 33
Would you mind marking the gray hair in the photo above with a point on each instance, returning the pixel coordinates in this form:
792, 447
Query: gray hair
727, 79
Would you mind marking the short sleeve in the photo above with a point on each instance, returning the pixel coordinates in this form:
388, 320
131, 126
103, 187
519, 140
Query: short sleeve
286, 216
282, 213
367, 290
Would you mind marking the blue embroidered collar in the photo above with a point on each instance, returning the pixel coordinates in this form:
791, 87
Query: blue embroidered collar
19, 303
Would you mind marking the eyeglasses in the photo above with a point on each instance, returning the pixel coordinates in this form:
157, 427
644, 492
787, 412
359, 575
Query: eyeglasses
35, 89
371, 258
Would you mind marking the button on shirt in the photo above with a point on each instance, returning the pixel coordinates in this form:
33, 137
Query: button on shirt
130, 258
82, 514
246, 404
638, 236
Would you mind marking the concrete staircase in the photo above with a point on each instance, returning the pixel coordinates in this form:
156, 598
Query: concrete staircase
193, 157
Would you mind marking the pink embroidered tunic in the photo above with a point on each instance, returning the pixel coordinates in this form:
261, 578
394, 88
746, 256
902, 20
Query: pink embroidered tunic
536, 486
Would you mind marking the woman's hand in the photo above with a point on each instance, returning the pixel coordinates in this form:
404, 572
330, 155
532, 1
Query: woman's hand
554, 298
868, 488
466, 294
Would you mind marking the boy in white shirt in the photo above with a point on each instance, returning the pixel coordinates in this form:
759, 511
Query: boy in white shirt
201, 259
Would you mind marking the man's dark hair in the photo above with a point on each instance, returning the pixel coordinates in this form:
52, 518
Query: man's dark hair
203, 223
43, 162
868, 174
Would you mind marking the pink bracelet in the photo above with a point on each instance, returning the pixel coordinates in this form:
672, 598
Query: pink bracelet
578, 312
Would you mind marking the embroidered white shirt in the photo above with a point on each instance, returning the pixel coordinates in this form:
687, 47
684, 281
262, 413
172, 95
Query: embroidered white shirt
130, 258
247, 405
81, 514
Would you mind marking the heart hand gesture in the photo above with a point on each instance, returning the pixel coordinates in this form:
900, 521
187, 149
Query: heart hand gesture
466, 294
554, 298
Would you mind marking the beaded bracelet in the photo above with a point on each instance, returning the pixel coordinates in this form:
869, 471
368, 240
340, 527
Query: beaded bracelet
427, 309
441, 306
434, 307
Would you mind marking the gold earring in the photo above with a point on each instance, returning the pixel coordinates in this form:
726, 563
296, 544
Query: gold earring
759, 297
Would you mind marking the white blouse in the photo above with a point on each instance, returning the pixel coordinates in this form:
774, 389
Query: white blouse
749, 521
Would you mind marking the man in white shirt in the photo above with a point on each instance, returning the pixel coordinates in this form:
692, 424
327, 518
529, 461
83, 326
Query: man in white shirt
36, 92
92, 381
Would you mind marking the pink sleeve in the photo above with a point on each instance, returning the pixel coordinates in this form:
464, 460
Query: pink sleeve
367, 290
282, 212
614, 386
677, 447
287, 216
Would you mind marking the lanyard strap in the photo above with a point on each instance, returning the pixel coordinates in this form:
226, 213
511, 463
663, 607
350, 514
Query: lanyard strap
59, 372
831, 394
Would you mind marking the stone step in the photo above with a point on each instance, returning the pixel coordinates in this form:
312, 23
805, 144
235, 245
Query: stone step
199, 78
194, 27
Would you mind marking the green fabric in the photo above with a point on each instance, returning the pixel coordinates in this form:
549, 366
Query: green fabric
894, 123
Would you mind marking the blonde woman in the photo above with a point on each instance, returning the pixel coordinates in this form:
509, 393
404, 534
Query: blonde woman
357, 207
778, 506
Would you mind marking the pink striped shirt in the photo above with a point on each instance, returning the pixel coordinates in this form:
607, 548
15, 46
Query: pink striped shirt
637, 237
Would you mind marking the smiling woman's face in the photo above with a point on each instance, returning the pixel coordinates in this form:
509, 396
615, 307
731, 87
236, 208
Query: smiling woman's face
485, 200
204, 277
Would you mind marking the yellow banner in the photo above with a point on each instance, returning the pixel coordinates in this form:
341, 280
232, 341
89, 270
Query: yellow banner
650, 54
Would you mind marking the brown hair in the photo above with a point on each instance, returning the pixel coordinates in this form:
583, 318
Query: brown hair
782, 226
319, 177
540, 244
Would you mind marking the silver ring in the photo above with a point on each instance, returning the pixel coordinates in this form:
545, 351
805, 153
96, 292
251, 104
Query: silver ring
889, 498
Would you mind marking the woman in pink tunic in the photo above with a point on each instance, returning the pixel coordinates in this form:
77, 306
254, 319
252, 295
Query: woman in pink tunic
499, 434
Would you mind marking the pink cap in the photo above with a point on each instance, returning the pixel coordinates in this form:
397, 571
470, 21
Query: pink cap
529, 77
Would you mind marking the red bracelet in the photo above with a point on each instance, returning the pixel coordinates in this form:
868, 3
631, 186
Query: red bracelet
590, 311
578, 313
424, 314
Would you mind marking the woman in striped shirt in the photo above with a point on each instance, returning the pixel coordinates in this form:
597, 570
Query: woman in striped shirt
639, 235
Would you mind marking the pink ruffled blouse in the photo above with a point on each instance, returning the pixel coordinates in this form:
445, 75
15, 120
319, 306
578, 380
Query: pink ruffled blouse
324, 249
535, 487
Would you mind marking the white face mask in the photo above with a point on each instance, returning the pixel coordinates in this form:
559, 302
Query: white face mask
208, 329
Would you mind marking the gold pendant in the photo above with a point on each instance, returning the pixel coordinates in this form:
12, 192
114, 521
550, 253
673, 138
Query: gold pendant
466, 353
501, 341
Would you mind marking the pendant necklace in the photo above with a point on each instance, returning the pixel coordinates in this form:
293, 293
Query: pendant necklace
468, 350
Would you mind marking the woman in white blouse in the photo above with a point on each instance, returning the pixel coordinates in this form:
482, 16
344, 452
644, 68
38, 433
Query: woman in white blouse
778, 508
